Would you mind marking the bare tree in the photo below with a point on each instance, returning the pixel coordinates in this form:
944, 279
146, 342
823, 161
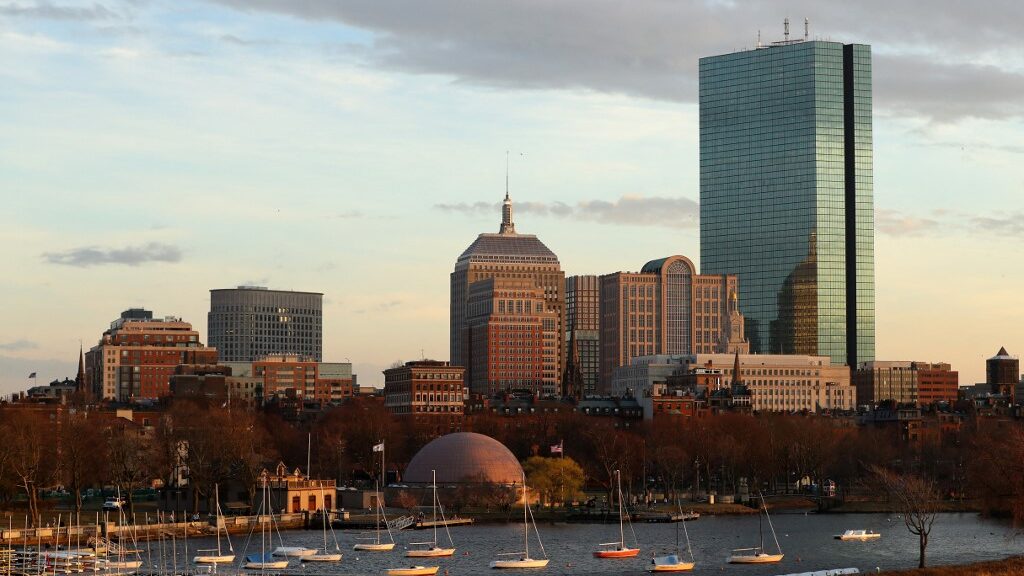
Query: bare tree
916, 498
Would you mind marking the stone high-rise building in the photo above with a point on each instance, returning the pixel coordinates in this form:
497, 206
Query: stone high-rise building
667, 308
512, 338
250, 322
137, 355
786, 200
510, 258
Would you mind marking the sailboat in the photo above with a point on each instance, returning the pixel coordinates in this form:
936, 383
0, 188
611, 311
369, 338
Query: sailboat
326, 556
377, 545
263, 560
219, 557
524, 560
620, 549
123, 563
757, 555
674, 562
434, 551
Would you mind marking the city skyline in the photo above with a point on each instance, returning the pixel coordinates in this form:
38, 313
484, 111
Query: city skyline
159, 152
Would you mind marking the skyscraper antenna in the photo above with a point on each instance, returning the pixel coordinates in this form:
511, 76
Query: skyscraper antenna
506, 174
785, 27
758, 38
807, 28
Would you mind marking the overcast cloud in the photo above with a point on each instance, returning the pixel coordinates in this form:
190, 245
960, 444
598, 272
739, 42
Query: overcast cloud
943, 60
629, 210
130, 256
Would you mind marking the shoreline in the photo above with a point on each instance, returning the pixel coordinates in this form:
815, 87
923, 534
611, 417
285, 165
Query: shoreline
1012, 566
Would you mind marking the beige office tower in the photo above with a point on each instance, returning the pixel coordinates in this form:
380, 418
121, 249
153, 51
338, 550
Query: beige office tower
507, 255
667, 308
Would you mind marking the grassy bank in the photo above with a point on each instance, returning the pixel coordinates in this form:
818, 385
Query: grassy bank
1009, 567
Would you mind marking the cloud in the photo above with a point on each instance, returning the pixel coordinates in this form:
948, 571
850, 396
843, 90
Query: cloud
380, 307
895, 223
1009, 224
627, 210
130, 256
20, 344
652, 49
946, 91
50, 11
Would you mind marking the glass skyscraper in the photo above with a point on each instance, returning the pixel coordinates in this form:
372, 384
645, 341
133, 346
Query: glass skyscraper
786, 194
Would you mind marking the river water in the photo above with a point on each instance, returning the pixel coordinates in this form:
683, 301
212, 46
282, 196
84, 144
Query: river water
807, 541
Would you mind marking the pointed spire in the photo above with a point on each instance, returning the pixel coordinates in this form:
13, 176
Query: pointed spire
736, 370
507, 225
80, 377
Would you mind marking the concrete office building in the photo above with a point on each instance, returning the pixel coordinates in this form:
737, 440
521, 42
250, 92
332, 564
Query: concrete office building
250, 322
667, 308
524, 260
786, 200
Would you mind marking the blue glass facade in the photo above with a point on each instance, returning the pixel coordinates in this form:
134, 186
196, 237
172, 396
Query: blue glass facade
786, 194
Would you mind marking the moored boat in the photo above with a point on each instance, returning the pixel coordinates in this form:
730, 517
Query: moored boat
434, 551
620, 550
860, 535
757, 555
524, 560
413, 571
293, 551
670, 563
263, 562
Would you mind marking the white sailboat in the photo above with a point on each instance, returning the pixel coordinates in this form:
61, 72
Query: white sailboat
758, 555
524, 560
674, 562
619, 549
216, 555
434, 551
325, 555
377, 545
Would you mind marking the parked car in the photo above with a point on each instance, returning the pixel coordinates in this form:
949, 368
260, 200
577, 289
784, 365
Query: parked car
113, 504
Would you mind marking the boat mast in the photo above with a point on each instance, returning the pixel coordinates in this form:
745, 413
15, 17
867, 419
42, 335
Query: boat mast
216, 517
526, 525
622, 535
433, 477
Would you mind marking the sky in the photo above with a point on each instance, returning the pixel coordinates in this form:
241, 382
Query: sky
151, 150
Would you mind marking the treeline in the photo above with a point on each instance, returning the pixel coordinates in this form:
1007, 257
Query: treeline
210, 444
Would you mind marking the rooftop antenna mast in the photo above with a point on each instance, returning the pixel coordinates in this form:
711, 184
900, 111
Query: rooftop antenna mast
506, 174
785, 26
807, 28
758, 38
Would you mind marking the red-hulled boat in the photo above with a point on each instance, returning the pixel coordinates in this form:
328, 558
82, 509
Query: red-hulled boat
620, 549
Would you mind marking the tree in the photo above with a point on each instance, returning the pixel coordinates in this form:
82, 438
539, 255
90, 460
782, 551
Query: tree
130, 456
29, 440
81, 464
554, 479
916, 498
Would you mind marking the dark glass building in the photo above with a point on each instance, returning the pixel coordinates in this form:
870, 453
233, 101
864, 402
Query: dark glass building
786, 194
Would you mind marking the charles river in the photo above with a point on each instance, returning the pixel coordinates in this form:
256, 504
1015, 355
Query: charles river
807, 541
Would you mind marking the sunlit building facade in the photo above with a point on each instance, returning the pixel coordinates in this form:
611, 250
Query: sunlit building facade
524, 271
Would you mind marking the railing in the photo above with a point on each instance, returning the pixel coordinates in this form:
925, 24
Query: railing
401, 523
140, 531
